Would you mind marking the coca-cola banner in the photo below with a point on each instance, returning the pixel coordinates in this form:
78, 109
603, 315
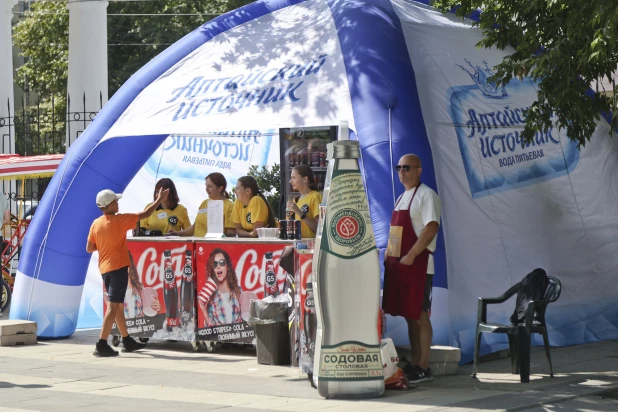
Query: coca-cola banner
229, 276
160, 298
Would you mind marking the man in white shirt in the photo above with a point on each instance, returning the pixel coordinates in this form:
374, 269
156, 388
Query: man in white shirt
409, 267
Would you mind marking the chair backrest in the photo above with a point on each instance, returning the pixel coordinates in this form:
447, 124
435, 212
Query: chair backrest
554, 287
552, 293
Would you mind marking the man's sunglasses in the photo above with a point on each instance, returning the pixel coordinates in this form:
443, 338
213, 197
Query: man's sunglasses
220, 262
406, 168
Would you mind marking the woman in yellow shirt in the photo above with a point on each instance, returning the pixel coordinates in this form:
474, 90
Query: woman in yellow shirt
251, 210
170, 215
215, 188
307, 206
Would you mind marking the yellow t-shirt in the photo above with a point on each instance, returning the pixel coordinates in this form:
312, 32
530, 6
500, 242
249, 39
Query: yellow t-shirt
201, 220
257, 211
309, 204
166, 219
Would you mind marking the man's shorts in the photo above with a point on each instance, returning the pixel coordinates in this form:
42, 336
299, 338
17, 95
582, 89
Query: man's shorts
116, 283
427, 295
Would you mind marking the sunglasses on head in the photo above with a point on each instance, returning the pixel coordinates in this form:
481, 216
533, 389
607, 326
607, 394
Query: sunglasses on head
406, 168
220, 262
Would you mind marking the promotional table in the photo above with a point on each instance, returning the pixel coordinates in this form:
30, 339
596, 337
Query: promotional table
178, 309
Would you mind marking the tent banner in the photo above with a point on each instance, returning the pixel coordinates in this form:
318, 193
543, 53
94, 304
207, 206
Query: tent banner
510, 206
229, 80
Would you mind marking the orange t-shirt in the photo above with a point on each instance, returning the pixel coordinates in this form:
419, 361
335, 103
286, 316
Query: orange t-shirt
109, 234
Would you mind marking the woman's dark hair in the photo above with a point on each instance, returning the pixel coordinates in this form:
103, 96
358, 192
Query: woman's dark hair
167, 183
136, 284
250, 183
219, 180
306, 171
232, 280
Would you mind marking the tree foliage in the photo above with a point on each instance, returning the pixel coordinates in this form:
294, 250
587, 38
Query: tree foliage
565, 45
137, 32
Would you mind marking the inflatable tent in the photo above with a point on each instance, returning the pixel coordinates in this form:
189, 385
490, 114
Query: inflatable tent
408, 79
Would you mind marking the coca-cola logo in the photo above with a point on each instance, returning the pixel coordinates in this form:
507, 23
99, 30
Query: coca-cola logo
252, 268
347, 227
151, 264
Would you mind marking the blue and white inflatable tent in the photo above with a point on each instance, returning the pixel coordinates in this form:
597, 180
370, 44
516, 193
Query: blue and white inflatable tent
408, 79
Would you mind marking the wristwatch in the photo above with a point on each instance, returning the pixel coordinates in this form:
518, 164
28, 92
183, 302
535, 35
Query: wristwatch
303, 216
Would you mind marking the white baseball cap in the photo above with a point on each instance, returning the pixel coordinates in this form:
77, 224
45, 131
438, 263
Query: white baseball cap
106, 197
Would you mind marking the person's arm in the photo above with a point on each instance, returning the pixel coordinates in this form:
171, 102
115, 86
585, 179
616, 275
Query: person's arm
90, 247
429, 232
187, 232
161, 197
6, 218
243, 233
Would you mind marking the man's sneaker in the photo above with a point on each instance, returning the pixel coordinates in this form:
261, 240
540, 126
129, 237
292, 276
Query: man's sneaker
130, 345
409, 369
104, 350
420, 375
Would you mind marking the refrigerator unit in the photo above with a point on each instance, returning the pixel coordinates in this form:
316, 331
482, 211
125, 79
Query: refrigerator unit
303, 145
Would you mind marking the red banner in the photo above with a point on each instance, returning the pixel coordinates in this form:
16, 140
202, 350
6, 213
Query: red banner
152, 310
305, 319
229, 276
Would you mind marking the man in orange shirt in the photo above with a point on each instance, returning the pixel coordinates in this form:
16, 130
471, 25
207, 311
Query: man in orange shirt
108, 235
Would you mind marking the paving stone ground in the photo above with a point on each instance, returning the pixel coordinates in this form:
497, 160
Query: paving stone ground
64, 375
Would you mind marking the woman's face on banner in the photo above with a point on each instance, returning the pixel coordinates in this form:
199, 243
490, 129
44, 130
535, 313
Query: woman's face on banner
220, 267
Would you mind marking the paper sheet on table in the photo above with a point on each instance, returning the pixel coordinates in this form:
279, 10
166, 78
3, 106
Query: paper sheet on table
215, 219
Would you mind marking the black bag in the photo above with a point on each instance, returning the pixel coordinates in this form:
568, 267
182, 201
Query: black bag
532, 287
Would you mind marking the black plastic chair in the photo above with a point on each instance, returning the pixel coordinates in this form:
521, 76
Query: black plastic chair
519, 335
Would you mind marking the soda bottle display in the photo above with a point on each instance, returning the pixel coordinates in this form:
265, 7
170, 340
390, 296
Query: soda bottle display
348, 286
187, 291
170, 292
310, 320
316, 261
290, 229
270, 277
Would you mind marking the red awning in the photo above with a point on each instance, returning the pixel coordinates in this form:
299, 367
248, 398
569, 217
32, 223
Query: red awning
17, 167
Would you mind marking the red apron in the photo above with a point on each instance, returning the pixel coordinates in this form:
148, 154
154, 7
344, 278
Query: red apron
404, 285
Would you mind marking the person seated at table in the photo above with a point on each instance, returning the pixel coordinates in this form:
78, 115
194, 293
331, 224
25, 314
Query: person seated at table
307, 206
251, 210
215, 188
170, 215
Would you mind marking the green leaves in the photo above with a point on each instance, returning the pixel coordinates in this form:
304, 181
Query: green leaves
565, 44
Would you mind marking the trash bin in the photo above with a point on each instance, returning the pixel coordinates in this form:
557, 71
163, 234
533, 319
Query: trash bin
271, 331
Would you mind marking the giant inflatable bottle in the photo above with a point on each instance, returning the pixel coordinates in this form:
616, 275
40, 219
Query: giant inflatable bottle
348, 285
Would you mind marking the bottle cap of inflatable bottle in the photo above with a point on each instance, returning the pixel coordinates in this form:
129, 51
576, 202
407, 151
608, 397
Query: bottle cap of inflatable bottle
346, 149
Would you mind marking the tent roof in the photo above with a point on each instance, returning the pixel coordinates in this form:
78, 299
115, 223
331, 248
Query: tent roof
16, 166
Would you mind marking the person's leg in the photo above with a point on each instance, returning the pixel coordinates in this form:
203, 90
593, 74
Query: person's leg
425, 337
108, 320
413, 336
425, 329
121, 322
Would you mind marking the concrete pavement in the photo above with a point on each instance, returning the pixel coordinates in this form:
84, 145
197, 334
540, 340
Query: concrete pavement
64, 375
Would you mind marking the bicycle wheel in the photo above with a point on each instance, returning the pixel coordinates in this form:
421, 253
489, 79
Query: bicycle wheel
5, 295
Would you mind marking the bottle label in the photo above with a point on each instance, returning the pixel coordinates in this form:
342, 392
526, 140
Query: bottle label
350, 361
348, 229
